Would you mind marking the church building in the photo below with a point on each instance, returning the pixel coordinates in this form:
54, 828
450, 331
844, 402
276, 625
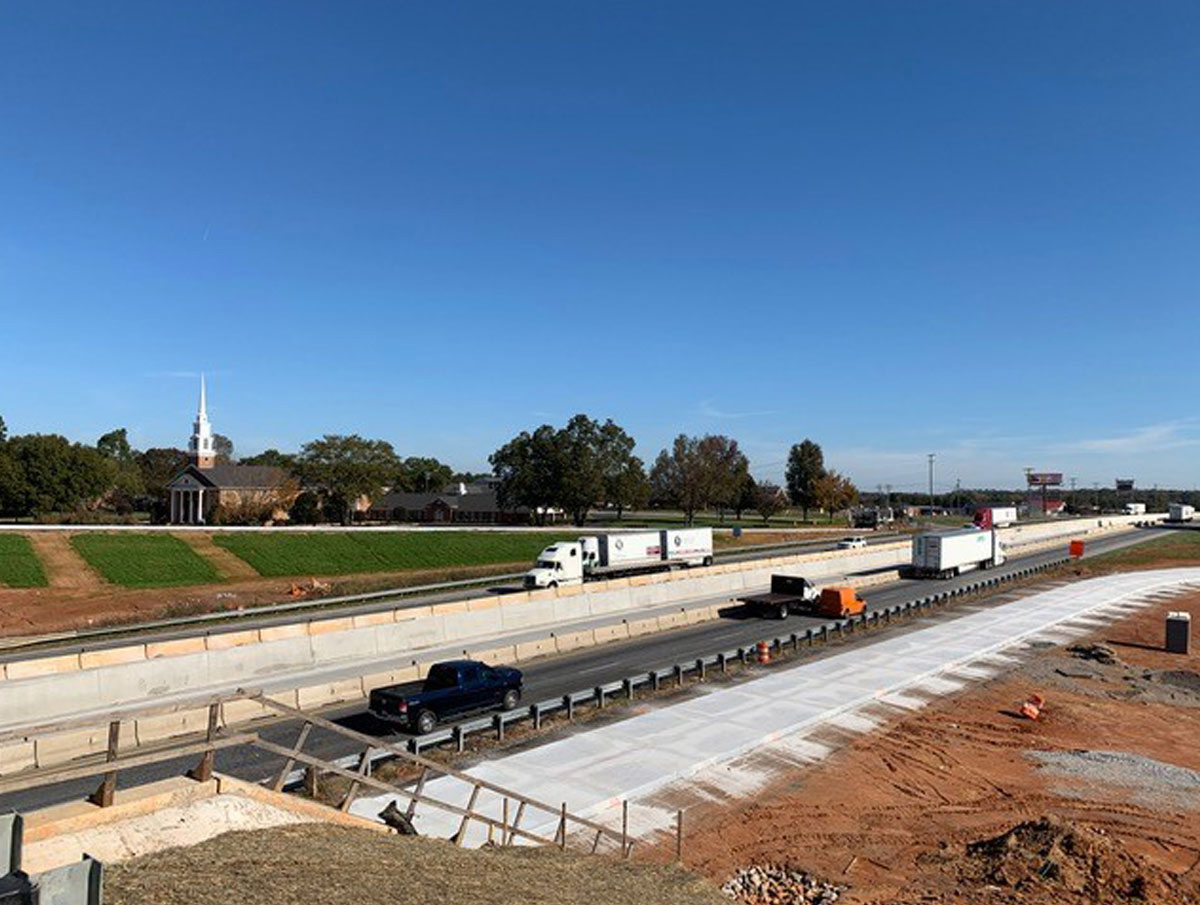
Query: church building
207, 491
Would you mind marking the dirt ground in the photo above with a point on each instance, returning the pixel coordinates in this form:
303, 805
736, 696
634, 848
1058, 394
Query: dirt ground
966, 801
36, 611
313, 864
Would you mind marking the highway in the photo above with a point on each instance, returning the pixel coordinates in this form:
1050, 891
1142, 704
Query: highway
552, 677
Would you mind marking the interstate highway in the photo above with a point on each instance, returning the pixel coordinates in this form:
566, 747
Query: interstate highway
552, 677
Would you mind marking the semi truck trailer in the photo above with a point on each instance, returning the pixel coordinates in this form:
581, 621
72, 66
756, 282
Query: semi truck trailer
1135, 508
1180, 512
624, 553
995, 516
943, 555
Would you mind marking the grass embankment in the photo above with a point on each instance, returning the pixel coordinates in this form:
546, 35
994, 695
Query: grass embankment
1180, 548
144, 560
19, 565
276, 555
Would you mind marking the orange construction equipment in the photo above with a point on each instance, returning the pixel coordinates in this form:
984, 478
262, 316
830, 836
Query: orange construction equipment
840, 602
764, 652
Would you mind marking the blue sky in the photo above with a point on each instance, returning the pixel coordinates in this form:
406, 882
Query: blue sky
896, 228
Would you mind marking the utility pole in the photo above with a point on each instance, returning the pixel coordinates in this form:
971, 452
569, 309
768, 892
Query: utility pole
931, 457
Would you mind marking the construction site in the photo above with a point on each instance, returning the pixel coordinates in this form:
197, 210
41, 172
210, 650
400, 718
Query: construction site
1025, 735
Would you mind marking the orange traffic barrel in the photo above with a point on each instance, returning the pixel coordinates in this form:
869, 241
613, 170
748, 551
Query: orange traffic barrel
764, 652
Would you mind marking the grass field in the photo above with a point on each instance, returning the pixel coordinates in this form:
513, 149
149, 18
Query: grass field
1181, 548
19, 565
144, 560
345, 554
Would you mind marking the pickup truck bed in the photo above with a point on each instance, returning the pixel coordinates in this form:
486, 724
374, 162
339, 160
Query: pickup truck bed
788, 594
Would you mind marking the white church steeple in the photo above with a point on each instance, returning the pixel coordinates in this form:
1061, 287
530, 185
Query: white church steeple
200, 446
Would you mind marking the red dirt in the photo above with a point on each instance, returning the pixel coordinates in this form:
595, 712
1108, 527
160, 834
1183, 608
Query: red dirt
893, 813
36, 611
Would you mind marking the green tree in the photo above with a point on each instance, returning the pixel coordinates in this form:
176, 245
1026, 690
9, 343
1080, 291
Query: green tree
679, 477
727, 470
273, 457
115, 445
223, 449
3, 431
422, 474
834, 492
747, 497
769, 500
51, 474
128, 487
806, 465
581, 467
343, 468
529, 470
306, 510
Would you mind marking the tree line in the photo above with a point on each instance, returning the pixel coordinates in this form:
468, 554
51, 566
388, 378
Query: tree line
574, 469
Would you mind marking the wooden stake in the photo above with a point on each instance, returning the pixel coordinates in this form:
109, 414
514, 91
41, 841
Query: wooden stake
679, 835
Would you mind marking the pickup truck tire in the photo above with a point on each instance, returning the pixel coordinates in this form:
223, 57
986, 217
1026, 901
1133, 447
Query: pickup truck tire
512, 698
782, 611
426, 722
553, 584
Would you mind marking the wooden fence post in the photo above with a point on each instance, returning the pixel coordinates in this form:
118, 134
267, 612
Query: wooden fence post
103, 796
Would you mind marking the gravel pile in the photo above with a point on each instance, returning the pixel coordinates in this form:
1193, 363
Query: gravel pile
1101, 653
769, 885
1145, 781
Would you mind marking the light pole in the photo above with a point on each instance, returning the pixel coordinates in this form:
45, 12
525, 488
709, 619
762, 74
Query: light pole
931, 457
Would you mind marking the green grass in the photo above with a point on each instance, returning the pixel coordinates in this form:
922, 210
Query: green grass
19, 565
1182, 547
144, 560
275, 555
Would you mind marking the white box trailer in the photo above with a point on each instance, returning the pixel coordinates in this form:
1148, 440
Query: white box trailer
619, 553
1180, 512
995, 516
944, 554
1135, 508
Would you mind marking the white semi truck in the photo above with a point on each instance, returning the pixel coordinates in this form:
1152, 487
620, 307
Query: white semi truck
625, 553
944, 554
1135, 508
995, 516
1180, 512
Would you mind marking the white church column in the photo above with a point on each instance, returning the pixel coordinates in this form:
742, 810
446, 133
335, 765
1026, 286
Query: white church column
200, 505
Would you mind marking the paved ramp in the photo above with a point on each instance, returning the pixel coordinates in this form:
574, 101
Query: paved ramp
592, 771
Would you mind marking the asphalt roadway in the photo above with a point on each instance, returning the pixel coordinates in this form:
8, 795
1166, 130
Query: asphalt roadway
548, 678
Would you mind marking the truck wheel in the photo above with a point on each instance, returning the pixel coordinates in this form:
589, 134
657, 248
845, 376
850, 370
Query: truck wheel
426, 721
512, 698
708, 560
783, 611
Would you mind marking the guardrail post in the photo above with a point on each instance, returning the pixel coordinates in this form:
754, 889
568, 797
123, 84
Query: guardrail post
700, 668
795, 641
742, 654
808, 637
458, 735
535, 714
569, 706
498, 725
627, 688
824, 634
678, 675
599, 693
654, 679
721, 664
103, 796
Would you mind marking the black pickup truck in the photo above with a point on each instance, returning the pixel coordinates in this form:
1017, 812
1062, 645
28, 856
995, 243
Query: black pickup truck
788, 594
450, 689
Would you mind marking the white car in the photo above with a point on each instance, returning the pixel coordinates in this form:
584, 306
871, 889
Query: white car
851, 543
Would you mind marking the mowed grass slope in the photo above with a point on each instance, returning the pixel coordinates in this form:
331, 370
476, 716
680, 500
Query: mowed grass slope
144, 560
19, 565
350, 552
1181, 547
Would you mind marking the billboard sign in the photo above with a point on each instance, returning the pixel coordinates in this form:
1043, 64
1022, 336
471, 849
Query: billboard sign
1124, 484
1045, 478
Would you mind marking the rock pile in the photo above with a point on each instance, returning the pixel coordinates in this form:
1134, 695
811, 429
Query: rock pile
770, 885
1100, 653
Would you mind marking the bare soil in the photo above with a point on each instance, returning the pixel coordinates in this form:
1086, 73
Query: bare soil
318, 863
226, 564
65, 569
905, 814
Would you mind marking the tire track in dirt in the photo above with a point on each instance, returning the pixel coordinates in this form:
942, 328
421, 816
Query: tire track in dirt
64, 567
226, 564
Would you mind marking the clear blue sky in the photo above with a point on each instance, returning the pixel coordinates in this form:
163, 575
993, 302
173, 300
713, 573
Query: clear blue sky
896, 228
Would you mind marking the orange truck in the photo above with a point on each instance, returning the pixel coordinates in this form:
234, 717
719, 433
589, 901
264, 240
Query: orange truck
839, 602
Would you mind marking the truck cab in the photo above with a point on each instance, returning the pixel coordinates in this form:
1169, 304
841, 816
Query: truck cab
558, 565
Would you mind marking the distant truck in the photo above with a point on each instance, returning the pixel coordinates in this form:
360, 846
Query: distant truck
1135, 508
943, 555
625, 553
988, 517
450, 689
794, 594
1180, 512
